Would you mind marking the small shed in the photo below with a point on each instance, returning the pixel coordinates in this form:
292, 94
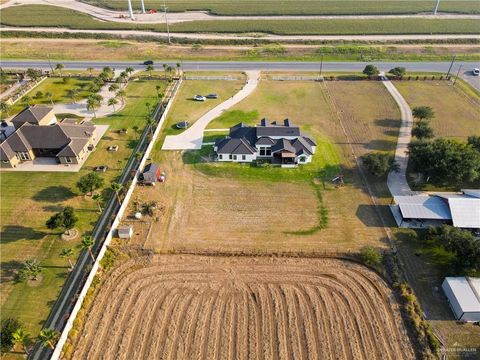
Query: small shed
463, 294
125, 232
151, 174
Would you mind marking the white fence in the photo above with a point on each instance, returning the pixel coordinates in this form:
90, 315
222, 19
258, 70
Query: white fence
228, 78
68, 326
297, 78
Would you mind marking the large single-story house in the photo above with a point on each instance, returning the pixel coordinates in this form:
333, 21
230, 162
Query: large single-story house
68, 142
457, 209
463, 295
282, 144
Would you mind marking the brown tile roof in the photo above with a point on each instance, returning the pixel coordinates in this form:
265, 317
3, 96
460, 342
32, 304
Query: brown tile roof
32, 114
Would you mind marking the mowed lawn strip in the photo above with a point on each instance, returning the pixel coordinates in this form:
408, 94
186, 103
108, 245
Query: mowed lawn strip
29, 199
297, 7
51, 16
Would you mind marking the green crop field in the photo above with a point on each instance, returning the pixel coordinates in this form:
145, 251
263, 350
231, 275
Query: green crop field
300, 7
50, 16
25, 209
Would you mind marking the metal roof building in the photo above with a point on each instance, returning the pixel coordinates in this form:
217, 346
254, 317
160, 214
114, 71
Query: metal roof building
460, 210
463, 294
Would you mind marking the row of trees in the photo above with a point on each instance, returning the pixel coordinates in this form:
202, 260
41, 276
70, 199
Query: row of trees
12, 333
372, 71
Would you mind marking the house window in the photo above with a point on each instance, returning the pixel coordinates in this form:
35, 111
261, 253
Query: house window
244, 157
268, 152
262, 151
23, 155
234, 157
220, 156
68, 160
302, 159
230, 157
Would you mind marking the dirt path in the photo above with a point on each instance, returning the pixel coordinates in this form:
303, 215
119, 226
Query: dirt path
186, 306
192, 138
120, 16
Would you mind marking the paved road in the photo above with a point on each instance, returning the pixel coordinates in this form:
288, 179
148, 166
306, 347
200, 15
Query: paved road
441, 67
119, 16
230, 36
192, 138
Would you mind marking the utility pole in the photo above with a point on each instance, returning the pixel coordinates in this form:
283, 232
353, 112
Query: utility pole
321, 65
436, 7
458, 72
49, 62
143, 7
451, 64
166, 21
130, 10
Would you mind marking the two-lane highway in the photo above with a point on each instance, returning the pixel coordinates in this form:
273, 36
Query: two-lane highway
437, 67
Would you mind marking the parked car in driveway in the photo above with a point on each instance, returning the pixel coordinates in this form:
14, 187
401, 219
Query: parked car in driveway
212, 96
476, 72
199, 98
101, 168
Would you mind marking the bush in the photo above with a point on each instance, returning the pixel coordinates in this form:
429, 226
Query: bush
371, 256
379, 164
422, 130
398, 71
8, 327
371, 70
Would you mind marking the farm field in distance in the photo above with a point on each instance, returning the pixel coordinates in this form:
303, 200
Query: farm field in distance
51, 16
301, 7
186, 306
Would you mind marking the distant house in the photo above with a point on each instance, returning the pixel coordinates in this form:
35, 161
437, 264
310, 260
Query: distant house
35, 115
460, 210
151, 174
68, 143
463, 294
281, 144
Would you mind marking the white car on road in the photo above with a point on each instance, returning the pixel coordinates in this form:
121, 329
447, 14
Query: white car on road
476, 72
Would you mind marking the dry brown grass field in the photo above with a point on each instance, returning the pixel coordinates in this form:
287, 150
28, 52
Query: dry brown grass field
194, 307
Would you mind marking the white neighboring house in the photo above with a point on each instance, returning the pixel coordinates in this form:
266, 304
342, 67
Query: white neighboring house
281, 144
463, 295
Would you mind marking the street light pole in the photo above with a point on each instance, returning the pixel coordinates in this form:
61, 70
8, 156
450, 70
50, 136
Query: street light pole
436, 7
130, 10
166, 21
143, 7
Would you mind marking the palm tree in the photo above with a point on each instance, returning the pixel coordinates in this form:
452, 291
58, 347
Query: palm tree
4, 107
112, 102
158, 87
147, 104
178, 68
72, 94
67, 253
116, 187
92, 105
165, 70
48, 337
22, 338
87, 244
98, 199
90, 70
150, 68
26, 100
121, 94
160, 96
49, 96
129, 70
113, 88
151, 122
59, 67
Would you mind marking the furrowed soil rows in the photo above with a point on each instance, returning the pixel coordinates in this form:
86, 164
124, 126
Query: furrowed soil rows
200, 307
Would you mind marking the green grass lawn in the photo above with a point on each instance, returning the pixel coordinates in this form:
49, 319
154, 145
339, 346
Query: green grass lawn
59, 90
50, 16
25, 209
300, 7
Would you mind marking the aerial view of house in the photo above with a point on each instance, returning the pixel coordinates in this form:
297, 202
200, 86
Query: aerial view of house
35, 134
281, 144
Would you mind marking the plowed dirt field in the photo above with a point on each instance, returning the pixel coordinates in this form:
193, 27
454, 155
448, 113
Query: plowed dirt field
199, 307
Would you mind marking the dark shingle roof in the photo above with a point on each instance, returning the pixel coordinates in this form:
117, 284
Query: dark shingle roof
32, 114
283, 144
74, 147
18, 142
235, 146
277, 130
44, 137
265, 141
6, 152
150, 172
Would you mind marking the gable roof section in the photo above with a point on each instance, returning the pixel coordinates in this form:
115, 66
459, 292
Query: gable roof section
283, 145
6, 152
302, 146
18, 142
44, 137
235, 146
465, 212
472, 192
32, 114
74, 147
265, 141
277, 130
423, 207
